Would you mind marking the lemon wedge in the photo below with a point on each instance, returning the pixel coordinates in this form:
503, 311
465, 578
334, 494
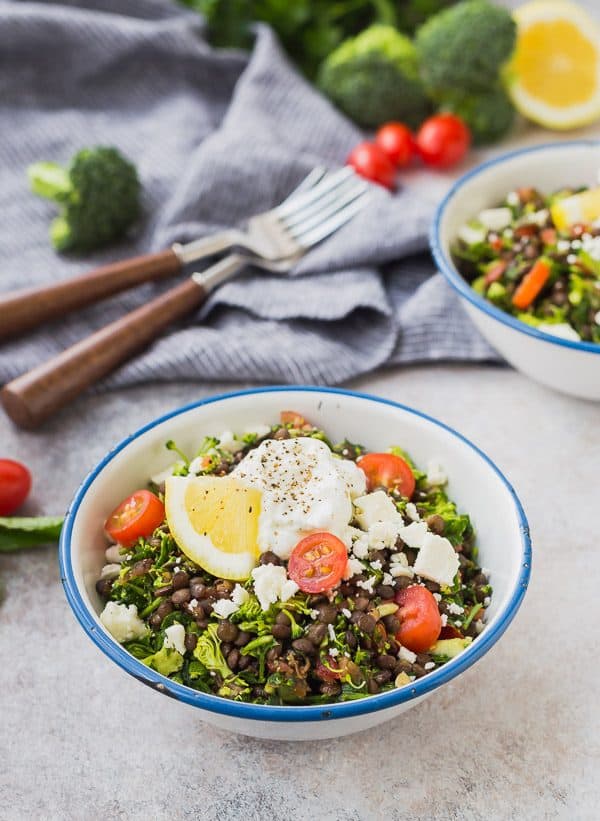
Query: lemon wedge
214, 520
554, 74
583, 208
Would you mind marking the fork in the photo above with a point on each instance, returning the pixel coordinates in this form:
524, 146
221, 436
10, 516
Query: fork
271, 235
34, 396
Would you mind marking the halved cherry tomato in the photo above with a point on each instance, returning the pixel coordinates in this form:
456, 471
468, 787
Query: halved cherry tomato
324, 672
15, 484
450, 632
373, 164
397, 141
318, 562
548, 236
137, 515
292, 418
443, 140
387, 470
420, 620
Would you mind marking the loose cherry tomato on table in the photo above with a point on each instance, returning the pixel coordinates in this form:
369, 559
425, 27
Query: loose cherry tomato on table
137, 515
420, 620
397, 141
372, 163
318, 562
389, 471
15, 484
443, 140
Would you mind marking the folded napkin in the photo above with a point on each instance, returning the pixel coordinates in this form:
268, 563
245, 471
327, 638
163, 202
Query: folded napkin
217, 136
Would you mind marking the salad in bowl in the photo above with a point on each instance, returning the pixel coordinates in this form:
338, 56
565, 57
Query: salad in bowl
278, 567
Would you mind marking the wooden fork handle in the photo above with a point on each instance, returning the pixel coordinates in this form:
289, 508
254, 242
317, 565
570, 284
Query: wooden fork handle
33, 397
25, 309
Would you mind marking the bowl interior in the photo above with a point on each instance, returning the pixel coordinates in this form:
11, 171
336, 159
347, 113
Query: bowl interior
474, 483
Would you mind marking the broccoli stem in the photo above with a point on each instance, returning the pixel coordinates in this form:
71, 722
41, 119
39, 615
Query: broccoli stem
50, 180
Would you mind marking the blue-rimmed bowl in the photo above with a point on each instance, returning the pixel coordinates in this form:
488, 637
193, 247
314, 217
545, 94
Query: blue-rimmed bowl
475, 482
567, 366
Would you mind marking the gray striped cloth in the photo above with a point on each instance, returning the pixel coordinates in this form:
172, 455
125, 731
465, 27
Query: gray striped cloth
217, 136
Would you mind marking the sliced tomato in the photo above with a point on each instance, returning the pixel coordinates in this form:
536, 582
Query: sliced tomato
327, 670
292, 418
450, 632
318, 562
15, 484
137, 515
420, 620
389, 471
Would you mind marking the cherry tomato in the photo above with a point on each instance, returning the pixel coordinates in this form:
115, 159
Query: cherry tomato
292, 418
420, 620
387, 470
15, 484
372, 163
443, 140
137, 515
318, 562
397, 141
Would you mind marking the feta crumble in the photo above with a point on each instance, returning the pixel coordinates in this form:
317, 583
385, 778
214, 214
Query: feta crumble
376, 507
122, 622
437, 560
436, 475
412, 512
239, 595
271, 583
367, 584
407, 655
226, 608
175, 638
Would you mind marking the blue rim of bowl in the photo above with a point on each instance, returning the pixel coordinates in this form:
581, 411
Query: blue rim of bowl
262, 712
460, 284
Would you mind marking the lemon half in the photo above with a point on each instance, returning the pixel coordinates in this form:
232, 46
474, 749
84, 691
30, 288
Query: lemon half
214, 520
554, 74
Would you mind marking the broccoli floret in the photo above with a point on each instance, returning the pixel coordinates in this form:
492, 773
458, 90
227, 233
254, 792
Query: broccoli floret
374, 78
464, 47
98, 195
489, 115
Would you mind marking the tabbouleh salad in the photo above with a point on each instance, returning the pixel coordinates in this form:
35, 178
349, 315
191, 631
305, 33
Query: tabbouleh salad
537, 257
349, 573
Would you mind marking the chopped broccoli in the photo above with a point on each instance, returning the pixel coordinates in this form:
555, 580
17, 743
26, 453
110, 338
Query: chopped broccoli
98, 195
464, 47
374, 78
489, 115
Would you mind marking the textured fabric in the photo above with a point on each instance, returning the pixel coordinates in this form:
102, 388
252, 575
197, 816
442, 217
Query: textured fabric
217, 136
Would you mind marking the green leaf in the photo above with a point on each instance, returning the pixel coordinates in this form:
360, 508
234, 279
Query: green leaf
18, 532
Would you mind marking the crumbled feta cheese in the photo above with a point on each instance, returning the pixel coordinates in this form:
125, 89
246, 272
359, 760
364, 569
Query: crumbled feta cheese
239, 595
560, 329
437, 560
314, 614
576, 244
597, 317
193, 603
226, 607
495, 219
360, 548
429, 665
455, 609
333, 652
407, 655
399, 558
353, 476
472, 234
485, 572
345, 612
444, 619
571, 259
591, 245
383, 535
110, 571
271, 583
198, 464
367, 584
259, 430
458, 623
113, 554
436, 475
175, 638
414, 534
487, 601
563, 245
122, 621
353, 568
163, 475
479, 625
376, 507
508, 233
331, 632
228, 442
412, 512
539, 218
437, 597
398, 570
387, 579
376, 565
178, 569
512, 198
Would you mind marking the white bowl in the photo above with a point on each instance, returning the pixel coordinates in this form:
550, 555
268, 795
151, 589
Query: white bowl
569, 367
475, 483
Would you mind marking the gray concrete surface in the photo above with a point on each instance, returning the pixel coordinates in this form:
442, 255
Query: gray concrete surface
515, 737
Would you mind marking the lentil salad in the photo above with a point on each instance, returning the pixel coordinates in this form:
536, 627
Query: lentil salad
348, 640
535, 257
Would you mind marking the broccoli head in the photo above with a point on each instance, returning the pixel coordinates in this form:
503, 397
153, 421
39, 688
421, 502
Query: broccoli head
464, 47
374, 78
489, 115
98, 195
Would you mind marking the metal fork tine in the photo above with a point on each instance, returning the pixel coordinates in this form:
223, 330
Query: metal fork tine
326, 207
330, 180
326, 228
315, 176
